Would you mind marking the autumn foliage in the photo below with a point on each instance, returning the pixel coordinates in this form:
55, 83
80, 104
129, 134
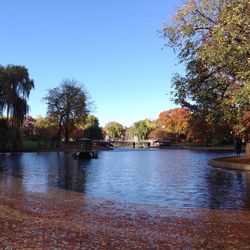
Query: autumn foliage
175, 120
161, 134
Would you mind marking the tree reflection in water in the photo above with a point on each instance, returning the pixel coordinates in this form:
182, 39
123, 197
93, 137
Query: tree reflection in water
178, 178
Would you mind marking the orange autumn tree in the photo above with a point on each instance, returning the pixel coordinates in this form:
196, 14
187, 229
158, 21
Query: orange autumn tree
175, 120
161, 134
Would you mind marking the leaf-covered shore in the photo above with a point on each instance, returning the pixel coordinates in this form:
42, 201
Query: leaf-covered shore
61, 219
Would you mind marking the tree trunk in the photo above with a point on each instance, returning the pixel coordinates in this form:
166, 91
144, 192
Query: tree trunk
67, 132
58, 139
59, 134
248, 149
66, 136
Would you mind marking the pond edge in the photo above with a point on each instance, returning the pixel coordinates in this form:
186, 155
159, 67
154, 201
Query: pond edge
218, 162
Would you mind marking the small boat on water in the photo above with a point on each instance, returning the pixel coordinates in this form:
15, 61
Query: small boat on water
85, 147
85, 155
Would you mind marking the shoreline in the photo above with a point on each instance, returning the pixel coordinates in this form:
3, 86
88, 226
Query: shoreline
237, 163
62, 219
74, 149
68, 220
214, 149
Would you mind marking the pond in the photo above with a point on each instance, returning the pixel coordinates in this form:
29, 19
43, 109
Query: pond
169, 177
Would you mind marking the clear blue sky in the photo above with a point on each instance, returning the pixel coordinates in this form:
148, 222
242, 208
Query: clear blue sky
111, 46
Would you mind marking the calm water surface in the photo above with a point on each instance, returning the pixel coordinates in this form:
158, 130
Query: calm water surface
180, 178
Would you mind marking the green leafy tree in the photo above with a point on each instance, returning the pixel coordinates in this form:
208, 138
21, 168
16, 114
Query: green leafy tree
114, 130
212, 40
67, 104
89, 128
92, 128
45, 130
142, 128
15, 87
216, 32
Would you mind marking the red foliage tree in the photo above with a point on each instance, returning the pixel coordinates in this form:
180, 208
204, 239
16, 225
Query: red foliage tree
28, 127
199, 130
175, 120
161, 135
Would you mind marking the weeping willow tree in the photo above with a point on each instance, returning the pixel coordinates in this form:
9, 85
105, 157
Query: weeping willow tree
15, 87
142, 128
114, 130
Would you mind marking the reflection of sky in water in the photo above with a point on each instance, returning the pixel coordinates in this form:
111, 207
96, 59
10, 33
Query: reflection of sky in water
179, 178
